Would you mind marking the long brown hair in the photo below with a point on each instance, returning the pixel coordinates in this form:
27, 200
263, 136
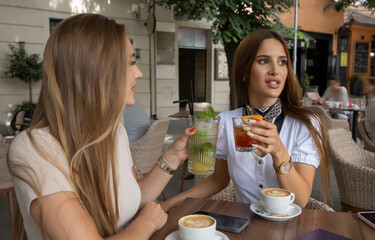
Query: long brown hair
242, 67
81, 101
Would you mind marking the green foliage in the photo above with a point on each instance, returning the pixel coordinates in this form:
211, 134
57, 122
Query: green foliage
232, 19
306, 81
342, 4
355, 78
25, 67
209, 114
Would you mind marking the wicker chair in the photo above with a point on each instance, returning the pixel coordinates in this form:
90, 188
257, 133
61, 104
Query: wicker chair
227, 194
328, 121
6, 183
146, 150
354, 169
368, 144
317, 205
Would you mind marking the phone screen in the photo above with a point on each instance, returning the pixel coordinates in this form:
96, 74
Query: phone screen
225, 222
369, 216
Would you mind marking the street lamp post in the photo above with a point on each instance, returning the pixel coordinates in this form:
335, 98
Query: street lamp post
295, 38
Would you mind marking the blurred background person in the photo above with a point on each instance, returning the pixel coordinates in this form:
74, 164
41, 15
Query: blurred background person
369, 90
336, 93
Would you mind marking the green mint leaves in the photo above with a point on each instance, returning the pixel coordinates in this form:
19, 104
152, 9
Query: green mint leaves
209, 114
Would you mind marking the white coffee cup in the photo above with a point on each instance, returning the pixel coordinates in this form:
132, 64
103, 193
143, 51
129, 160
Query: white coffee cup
197, 227
276, 200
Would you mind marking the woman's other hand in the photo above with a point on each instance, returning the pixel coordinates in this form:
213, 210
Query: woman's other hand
152, 212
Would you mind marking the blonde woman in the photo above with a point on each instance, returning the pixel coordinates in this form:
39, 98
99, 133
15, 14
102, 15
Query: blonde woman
73, 172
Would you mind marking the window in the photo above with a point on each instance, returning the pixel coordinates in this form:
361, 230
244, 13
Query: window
53, 23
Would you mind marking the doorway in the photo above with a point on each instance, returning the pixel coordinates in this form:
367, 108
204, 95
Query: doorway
192, 67
192, 62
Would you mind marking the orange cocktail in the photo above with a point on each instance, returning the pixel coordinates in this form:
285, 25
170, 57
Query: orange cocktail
243, 142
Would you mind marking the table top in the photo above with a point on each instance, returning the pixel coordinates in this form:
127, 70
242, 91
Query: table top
180, 114
341, 223
344, 108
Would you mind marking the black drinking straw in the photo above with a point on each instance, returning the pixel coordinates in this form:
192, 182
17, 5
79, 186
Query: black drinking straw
191, 111
192, 100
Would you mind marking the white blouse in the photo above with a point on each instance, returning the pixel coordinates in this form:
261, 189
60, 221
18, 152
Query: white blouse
250, 173
52, 180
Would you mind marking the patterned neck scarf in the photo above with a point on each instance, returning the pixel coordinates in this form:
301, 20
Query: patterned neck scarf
273, 114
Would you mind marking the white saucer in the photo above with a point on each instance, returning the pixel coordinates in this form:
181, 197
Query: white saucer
292, 211
176, 236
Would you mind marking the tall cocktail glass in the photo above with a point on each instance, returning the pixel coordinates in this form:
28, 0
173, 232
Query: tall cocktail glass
202, 145
243, 142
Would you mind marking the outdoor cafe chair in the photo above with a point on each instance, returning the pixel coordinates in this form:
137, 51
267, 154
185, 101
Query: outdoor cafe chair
368, 144
318, 205
6, 183
146, 150
354, 168
328, 121
227, 194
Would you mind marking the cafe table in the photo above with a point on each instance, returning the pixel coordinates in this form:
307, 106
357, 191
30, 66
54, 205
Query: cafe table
355, 117
341, 223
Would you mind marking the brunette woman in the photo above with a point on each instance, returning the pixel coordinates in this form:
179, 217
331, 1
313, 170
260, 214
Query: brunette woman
293, 138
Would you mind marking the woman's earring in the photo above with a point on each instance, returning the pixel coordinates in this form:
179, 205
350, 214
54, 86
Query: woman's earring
243, 79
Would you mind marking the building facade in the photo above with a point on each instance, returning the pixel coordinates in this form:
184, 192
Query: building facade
174, 56
357, 48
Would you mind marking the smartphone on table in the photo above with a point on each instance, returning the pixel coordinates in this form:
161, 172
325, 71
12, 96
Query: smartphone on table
368, 217
225, 222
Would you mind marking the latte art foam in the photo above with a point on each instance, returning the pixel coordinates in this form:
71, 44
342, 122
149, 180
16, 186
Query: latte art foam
197, 221
275, 192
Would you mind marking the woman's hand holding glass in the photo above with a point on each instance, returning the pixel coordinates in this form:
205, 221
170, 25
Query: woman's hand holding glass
178, 151
266, 133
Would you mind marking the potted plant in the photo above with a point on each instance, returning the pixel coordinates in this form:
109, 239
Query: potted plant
306, 83
27, 68
356, 85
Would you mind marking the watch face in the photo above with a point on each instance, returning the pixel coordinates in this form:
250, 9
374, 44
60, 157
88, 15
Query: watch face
285, 167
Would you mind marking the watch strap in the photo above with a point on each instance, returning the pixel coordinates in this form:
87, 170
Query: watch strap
164, 166
277, 169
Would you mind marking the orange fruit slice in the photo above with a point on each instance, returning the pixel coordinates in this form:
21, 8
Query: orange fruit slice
246, 119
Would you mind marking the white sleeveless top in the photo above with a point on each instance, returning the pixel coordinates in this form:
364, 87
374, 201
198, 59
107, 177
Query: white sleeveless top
53, 181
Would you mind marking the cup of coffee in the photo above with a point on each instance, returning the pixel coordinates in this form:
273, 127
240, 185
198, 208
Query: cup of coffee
197, 227
276, 200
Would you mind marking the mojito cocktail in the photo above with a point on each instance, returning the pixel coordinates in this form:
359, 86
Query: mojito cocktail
202, 146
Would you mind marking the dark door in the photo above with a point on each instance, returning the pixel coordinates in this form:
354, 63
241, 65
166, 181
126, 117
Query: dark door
192, 67
317, 64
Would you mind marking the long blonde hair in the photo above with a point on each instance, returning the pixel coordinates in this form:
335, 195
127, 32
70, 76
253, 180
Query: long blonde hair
82, 97
242, 66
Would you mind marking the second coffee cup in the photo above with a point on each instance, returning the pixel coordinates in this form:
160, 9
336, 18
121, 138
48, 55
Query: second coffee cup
197, 227
276, 200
